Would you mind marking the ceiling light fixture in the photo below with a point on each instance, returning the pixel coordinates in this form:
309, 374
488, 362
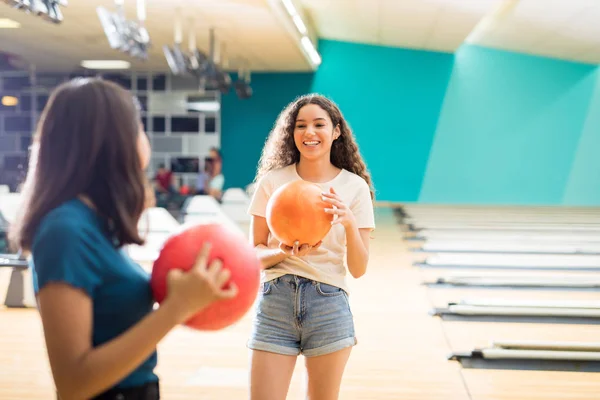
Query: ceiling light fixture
302, 33
9, 101
6, 23
48, 10
289, 6
300, 24
105, 64
308, 46
128, 36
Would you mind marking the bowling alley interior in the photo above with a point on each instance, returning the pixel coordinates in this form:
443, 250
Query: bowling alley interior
300, 199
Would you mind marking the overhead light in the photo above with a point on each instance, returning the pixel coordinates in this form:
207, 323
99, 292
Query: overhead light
242, 85
105, 64
9, 101
48, 10
130, 37
289, 6
299, 24
310, 49
301, 31
6, 23
208, 106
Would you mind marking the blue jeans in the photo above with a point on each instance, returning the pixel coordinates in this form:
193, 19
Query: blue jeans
295, 315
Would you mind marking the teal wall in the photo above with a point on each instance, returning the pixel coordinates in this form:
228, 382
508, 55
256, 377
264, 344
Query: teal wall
480, 126
392, 100
508, 130
245, 124
583, 183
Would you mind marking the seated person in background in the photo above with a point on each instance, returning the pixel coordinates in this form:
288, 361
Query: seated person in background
164, 180
216, 180
202, 179
164, 186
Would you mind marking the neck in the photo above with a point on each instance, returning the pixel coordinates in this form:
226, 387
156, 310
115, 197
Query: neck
86, 200
320, 170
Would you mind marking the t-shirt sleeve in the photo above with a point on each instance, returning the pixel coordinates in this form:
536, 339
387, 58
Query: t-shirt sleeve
61, 253
260, 198
362, 207
217, 182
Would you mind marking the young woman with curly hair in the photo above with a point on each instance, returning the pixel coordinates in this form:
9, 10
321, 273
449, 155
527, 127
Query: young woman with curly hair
303, 304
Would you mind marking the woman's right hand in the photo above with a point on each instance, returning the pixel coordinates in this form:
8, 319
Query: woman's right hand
298, 249
193, 290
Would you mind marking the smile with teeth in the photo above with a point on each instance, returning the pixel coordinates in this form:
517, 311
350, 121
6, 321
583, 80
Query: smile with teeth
311, 142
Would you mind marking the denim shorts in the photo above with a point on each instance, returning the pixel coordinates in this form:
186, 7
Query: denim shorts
295, 315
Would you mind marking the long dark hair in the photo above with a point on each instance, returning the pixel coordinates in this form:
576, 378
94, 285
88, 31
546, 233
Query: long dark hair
280, 149
85, 144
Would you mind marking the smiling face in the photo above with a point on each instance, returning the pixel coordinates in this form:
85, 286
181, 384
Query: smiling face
314, 132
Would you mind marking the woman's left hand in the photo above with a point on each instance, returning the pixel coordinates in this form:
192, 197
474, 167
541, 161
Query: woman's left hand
342, 214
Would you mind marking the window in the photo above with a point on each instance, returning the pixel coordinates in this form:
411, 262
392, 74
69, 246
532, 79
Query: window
185, 124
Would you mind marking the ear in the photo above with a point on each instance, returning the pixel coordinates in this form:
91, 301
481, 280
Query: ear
336, 132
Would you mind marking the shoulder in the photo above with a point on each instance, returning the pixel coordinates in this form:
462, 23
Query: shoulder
285, 173
66, 247
354, 189
360, 200
352, 180
69, 222
278, 177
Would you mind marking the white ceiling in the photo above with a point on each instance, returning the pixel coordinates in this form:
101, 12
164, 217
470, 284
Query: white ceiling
567, 29
440, 25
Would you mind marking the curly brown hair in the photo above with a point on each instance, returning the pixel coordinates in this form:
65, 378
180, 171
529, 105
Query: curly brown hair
281, 151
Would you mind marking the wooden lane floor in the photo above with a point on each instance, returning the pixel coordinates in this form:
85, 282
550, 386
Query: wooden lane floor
401, 352
467, 333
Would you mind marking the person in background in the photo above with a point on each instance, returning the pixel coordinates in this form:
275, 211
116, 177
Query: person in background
216, 180
202, 179
164, 186
164, 180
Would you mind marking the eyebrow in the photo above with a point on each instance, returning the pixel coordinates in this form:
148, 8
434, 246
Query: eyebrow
316, 119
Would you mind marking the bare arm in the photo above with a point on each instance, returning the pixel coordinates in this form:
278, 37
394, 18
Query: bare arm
259, 237
357, 242
81, 371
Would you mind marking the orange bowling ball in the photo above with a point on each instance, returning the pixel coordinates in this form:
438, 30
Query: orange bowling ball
238, 256
296, 212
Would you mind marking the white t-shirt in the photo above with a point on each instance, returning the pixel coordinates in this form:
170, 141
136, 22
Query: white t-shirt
327, 263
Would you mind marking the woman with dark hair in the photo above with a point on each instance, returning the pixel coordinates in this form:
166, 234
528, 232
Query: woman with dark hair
84, 194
